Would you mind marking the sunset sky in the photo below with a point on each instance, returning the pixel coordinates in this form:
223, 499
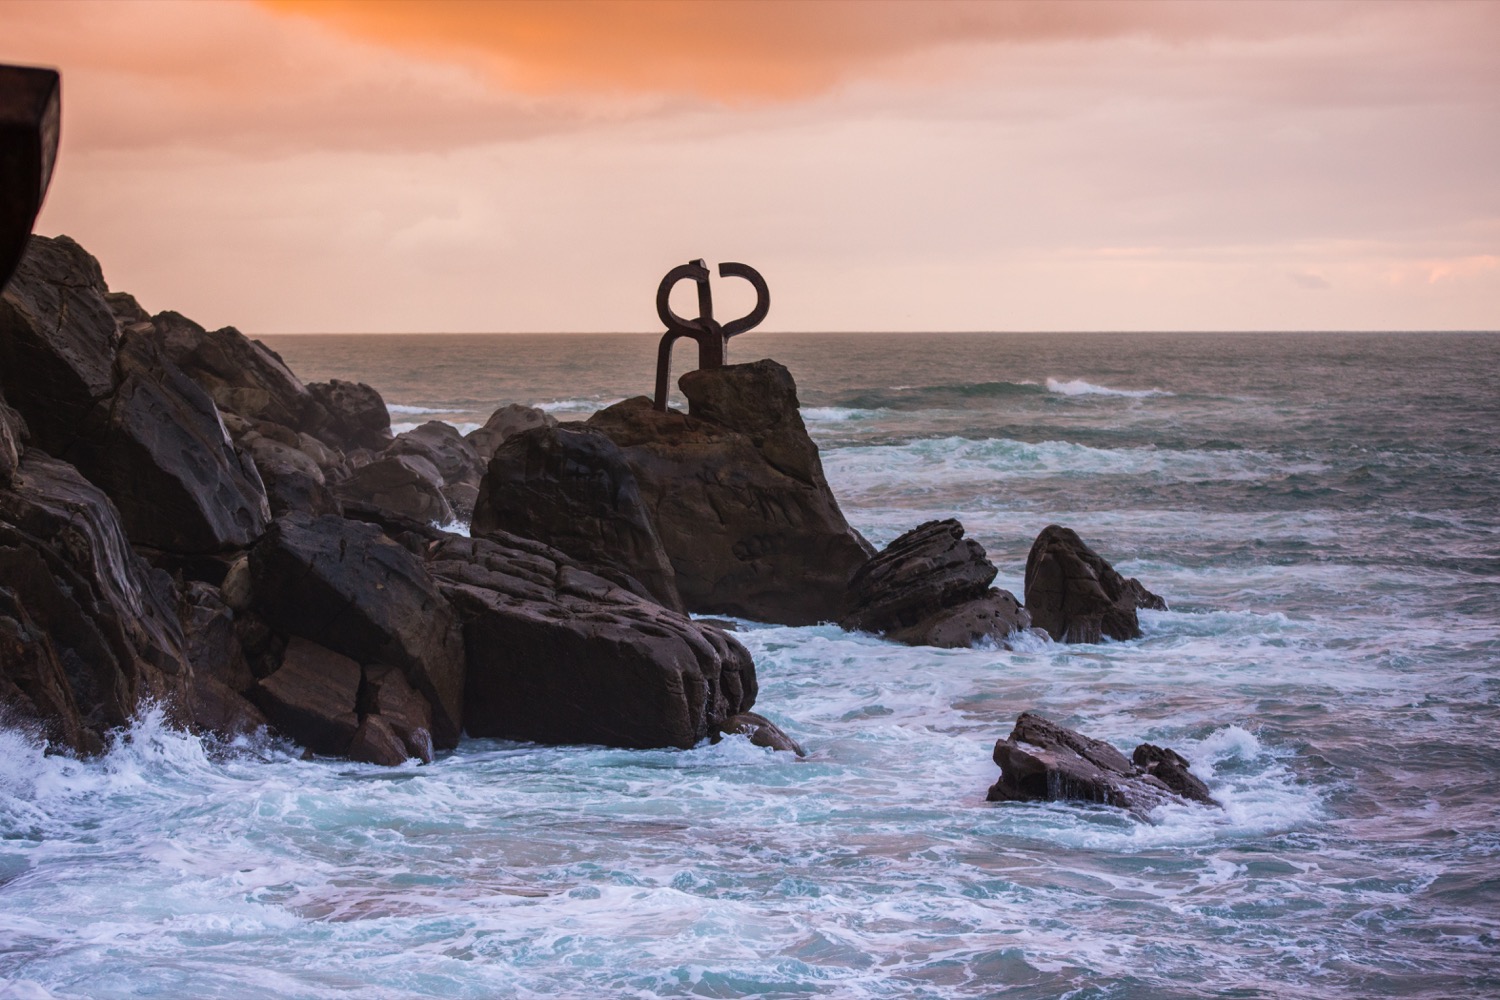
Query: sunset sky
301, 166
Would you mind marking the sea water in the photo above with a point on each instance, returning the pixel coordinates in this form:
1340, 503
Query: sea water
1322, 511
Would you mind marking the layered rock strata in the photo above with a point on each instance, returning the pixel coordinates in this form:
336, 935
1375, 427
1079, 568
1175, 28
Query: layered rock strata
931, 587
1041, 761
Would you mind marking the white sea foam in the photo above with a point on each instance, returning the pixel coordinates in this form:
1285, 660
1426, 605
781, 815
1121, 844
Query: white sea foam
837, 414
570, 405
1078, 387
406, 410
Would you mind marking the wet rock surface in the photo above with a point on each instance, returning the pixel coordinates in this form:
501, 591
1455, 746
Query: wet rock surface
761, 731
560, 655
931, 587
1074, 594
1041, 761
94, 629
345, 585
570, 487
739, 498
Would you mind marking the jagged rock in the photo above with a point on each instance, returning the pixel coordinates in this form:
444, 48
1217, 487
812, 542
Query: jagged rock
375, 742
120, 411
762, 732
1171, 768
313, 697
995, 617
570, 487
403, 710
405, 484
443, 446
85, 605
1043, 762
560, 655
352, 415
1076, 596
739, 498
57, 340
931, 587
242, 375
125, 309
293, 480
512, 418
347, 586
157, 447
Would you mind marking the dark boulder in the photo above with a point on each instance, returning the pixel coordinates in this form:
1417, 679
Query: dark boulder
560, 655
442, 445
1043, 762
350, 415
314, 697
157, 447
375, 742
57, 340
345, 585
292, 478
120, 411
995, 618
739, 498
1076, 596
243, 376
388, 696
221, 672
404, 484
83, 611
509, 419
570, 487
1171, 768
762, 732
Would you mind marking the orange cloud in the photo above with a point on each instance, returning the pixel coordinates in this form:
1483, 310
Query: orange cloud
736, 51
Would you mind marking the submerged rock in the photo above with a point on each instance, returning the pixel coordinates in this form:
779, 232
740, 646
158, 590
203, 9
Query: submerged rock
739, 498
1076, 596
570, 487
1043, 762
762, 732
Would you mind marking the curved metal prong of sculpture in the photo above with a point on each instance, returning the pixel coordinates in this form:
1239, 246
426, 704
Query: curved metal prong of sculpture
712, 338
29, 114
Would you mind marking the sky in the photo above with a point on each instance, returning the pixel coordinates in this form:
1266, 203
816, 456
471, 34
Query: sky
291, 166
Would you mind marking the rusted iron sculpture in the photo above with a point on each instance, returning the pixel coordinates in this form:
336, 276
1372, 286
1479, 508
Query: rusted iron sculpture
712, 336
29, 114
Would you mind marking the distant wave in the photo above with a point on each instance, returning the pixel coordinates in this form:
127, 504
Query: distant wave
836, 414
1078, 387
957, 395
413, 410
569, 405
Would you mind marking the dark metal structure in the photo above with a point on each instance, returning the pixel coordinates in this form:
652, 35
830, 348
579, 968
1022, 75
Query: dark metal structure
29, 114
711, 335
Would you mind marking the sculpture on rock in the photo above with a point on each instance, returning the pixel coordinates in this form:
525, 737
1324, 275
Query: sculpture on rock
712, 336
29, 115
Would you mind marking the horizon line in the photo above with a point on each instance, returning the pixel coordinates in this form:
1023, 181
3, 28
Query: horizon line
868, 333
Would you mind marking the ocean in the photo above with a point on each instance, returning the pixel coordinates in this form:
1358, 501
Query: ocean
1322, 512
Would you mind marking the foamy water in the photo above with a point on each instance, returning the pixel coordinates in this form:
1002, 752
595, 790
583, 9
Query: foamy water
1321, 514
